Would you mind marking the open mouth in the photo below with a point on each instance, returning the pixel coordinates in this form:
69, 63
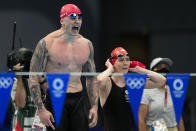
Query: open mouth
75, 29
125, 66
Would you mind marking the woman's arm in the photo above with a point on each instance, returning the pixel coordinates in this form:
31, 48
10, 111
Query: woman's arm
154, 80
143, 110
181, 125
102, 77
20, 96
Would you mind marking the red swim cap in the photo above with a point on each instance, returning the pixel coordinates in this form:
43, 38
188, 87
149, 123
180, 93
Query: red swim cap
69, 9
116, 52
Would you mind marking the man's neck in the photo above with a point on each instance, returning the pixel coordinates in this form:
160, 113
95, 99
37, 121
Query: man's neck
67, 36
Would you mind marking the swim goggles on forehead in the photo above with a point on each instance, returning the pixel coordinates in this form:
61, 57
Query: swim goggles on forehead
121, 58
74, 15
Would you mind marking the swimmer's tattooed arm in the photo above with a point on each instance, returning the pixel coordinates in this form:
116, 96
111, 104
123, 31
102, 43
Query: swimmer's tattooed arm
91, 82
38, 63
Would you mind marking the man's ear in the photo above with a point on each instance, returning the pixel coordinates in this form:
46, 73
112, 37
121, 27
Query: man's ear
61, 21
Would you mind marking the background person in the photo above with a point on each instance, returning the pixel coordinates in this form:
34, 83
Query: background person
25, 108
156, 104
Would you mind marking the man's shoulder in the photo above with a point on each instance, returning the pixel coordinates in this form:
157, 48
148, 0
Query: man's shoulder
80, 37
50, 37
85, 40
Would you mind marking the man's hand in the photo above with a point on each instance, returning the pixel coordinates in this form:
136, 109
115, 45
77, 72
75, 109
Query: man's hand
46, 117
93, 115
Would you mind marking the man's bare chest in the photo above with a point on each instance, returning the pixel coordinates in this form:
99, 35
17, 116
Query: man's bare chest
68, 54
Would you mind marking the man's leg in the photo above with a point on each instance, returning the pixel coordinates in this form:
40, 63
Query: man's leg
79, 122
79, 115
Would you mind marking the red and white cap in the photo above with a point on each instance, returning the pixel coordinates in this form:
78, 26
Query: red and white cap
116, 52
69, 9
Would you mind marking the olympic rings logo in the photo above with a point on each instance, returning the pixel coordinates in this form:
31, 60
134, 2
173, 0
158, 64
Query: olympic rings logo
135, 83
178, 84
5, 82
58, 84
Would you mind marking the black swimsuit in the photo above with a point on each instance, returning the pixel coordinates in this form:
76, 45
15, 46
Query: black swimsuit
74, 115
117, 111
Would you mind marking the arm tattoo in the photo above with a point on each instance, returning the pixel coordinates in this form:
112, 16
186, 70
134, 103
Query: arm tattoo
38, 63
91, 83
93, 91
